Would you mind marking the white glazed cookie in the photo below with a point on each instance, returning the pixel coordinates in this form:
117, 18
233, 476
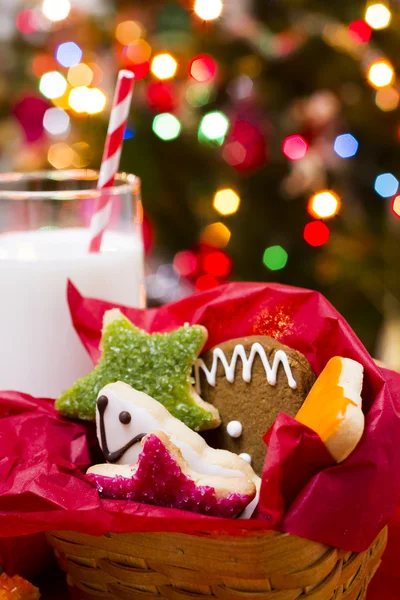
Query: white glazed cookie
182, 488
333, 408
124, 416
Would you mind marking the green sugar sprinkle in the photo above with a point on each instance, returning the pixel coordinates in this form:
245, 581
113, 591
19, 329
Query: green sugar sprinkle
158, 364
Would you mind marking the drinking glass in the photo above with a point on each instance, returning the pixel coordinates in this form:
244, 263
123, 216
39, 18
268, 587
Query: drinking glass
44, 241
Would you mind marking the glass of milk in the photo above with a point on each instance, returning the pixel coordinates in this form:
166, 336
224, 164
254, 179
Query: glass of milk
44, 241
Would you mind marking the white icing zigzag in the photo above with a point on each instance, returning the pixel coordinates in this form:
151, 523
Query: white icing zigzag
247, 365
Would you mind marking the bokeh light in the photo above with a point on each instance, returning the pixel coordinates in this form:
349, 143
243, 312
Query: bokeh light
206, 282
360, 32
226, 201
387, 99
128, 32
43, 63
208, 10
214, 126
68, 54
56, 121
198, 94
138, 52
60, 155
386, 185
345, 145
96, 101
234, 153
380, 73
166, 126
217, 264
324, 205
80, 75
56, 10
202, 68
216, 234
164, 66
316, 233
294, 147
78, 99
52, 85
396, 206
378, 16
185, 263
275, 258
27, 21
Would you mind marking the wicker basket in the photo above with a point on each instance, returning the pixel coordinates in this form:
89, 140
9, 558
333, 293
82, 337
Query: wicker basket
175, 566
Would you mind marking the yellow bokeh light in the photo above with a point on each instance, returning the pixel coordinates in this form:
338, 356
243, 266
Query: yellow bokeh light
80, 75
324, 205
378, 16
216, 234
208, 10
164, 66
381, 74
226, 201
96, 101
60, 155
387, 99
82, 155
128, 32
56, 10
87, 100
78, 99
138, 52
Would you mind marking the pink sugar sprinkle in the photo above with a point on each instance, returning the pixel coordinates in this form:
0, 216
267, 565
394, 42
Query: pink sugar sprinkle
159, 480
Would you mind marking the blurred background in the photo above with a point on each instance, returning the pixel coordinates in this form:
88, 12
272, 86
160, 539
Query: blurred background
266, 134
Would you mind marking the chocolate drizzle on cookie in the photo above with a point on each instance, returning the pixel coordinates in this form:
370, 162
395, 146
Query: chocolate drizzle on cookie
113, 457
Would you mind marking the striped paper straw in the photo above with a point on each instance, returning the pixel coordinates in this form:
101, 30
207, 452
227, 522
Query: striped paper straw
111, 156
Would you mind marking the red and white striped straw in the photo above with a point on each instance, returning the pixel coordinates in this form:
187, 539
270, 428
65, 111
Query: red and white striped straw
111, 156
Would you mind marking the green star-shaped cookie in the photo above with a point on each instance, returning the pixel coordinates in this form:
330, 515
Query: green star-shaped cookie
158, 364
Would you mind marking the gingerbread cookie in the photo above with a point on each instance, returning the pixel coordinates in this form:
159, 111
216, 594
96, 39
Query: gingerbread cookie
250, 381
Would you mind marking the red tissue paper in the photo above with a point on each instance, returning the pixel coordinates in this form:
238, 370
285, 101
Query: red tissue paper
42, 486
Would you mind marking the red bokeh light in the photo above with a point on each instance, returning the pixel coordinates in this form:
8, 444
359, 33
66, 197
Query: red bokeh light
294, 147
316, 233
141, 70
206, 282
396, 206
27, 21
185, 263
160, 96
42, 63
217, 264
360, 32
202, 68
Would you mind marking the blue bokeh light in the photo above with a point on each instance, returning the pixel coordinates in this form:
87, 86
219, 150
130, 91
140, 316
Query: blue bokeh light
345, 145
129, 132
386, 185
69, 54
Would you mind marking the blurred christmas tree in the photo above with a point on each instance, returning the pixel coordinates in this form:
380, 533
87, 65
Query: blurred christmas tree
266, 135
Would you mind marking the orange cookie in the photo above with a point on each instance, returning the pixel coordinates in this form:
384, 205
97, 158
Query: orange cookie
250, 381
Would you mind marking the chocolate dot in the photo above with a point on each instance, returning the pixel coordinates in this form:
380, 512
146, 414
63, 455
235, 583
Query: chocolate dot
102, 402
125, 417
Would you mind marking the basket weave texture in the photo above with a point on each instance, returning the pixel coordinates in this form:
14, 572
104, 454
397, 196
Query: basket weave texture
175, 566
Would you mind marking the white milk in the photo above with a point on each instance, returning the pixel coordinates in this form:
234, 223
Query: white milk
40, 353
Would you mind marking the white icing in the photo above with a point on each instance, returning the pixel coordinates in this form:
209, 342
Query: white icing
234, 429
280, 357
246, 457
144, 421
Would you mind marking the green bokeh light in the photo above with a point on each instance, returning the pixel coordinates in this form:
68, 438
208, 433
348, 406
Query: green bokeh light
275, 258
167, 126
214, 127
